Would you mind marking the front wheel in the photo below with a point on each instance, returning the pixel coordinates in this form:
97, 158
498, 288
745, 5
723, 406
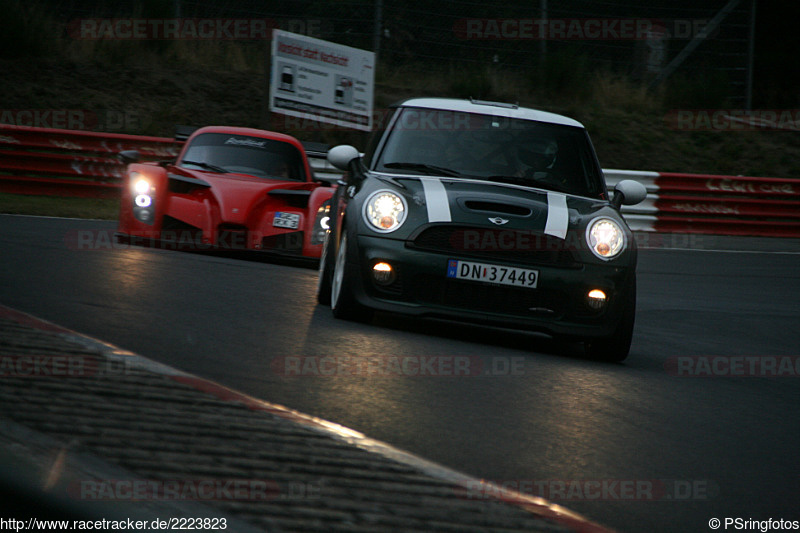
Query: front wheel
325, 274
343, 304
615, 347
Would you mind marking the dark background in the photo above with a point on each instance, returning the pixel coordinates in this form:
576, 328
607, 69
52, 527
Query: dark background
416, 31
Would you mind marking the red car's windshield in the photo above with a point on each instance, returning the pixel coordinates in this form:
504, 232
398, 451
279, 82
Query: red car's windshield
263, 158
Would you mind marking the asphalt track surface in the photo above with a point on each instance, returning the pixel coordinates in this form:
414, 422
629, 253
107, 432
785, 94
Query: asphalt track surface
635, 446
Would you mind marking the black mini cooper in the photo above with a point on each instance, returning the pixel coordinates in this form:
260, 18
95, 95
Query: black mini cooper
483, 212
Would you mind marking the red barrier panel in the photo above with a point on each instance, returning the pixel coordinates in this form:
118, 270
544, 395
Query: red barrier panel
728, 226
712, 185
56, 162
736, 207
727, 205
62, 164
87, 141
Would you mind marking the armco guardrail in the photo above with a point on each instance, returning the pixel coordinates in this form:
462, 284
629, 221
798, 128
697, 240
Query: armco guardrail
713, 204
69, 162
84, 164
81, 163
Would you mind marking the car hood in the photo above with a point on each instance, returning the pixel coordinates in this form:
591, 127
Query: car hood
483, 203
237, 194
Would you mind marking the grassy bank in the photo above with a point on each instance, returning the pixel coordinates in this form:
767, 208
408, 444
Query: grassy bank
628, 124
54, 206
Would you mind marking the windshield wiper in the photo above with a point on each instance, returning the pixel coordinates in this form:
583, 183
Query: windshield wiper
528, 182
431, 169
207, 166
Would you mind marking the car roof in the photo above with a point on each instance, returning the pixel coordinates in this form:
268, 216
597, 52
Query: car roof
490, 108
264, 134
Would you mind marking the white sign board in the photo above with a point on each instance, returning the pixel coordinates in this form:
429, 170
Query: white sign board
319, 80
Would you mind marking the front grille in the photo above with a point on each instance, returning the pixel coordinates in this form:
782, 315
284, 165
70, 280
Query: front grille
475, 296
496, 244
232, 236
286, 243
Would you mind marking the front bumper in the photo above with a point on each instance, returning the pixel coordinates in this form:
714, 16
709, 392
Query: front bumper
558, 306
168, 241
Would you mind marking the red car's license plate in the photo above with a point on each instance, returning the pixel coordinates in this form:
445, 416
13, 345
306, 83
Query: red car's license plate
286, 220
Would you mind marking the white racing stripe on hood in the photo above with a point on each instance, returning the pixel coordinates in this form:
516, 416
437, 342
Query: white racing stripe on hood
557, 215
436, 200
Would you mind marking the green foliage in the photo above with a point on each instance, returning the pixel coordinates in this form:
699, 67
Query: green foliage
470, 82
564, 75
28, 30
704, 90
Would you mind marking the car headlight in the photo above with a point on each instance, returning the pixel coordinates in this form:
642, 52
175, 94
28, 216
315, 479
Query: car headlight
385, 211
321, 223
143, 193
140, 185
605, 238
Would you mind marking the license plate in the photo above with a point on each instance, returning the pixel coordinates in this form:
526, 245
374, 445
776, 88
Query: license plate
286, 220
488, 273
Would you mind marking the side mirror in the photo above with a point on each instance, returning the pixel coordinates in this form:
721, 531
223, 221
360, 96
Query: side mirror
129, 156
343, 156
628, 192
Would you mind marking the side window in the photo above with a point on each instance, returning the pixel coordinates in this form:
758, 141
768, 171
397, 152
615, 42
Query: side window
595, 182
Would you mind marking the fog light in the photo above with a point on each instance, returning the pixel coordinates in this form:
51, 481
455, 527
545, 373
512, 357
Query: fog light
597, 298
143, 200
383, 273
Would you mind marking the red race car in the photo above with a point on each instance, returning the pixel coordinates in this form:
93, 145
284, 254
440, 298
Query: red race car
229, 189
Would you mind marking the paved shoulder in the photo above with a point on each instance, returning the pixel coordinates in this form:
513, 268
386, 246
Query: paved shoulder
106, 434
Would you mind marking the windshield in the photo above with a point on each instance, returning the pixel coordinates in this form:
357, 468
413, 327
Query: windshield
263, 158
522, 152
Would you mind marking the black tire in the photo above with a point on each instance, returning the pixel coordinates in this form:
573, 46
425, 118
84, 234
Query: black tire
343, 304
325, 273
615, 347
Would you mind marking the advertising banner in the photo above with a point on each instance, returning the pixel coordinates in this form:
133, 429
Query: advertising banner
323, 81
